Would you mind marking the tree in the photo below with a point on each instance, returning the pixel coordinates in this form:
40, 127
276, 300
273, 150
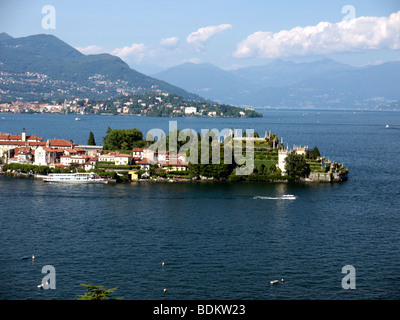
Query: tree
119, 139
296, 166
97, 293
215, 170
316, 152
310, 154
91, 141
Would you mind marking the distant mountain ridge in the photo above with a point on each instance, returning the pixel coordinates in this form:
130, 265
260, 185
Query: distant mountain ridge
207, 80
44, 67
320, 84
68, 72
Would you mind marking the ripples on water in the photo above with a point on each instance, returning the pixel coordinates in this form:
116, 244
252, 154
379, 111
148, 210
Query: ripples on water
216, 240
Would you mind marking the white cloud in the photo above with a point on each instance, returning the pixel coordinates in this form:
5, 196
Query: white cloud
137, 51
168, 52
134, 53
91, 49
193, 60
169, 42
201, 36
363, 33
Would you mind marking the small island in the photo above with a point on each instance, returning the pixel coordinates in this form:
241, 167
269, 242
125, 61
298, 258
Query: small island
127, 155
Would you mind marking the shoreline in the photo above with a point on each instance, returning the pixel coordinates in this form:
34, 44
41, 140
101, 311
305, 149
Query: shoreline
317, 109
183, 180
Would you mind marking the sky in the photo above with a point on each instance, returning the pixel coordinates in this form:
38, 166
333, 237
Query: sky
154, 35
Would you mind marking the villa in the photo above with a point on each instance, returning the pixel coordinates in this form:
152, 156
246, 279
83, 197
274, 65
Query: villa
45, 156
178, 166
117, 158
137, 153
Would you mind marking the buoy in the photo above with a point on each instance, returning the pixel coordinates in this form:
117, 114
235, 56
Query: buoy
165, 290
282, 280
33, 257
274, 282
162, 263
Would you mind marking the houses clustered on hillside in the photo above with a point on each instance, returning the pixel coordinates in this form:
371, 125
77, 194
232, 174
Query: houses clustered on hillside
30, 149
76, 106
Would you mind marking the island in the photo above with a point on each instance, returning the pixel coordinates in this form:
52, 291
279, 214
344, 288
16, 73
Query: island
126, 155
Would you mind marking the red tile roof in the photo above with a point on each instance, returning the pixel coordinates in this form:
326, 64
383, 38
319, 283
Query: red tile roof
71, 150
60, 143
178, 164
118, 154
15, 137
22, 150
22, 143
144, 161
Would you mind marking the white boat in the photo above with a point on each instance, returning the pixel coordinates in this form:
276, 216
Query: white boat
77, 119
289, 197
85, 177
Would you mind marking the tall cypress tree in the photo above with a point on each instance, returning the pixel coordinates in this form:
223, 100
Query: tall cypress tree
91, 141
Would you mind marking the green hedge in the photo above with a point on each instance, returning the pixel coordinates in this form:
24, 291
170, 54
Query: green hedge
112, 166
180, 176
26, 168
257, 177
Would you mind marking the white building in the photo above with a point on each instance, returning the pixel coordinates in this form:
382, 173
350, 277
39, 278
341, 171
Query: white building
66, 160
45, 156
150, 154
300, 150
123, 159
116, 157
137, 153
190, 110
21, 155
163, 156
282, 154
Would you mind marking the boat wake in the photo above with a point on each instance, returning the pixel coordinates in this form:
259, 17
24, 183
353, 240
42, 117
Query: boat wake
284, 197
266, 198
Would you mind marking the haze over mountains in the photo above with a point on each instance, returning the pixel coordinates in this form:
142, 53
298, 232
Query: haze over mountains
43, 66
319, 84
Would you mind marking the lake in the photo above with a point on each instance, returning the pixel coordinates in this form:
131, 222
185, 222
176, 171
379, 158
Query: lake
217, 241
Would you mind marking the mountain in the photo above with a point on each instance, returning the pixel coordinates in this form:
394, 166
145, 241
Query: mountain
280, 73
369, 87
42, 66
319, 84
207, 80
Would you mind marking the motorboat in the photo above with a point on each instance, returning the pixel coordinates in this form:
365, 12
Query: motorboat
289, 197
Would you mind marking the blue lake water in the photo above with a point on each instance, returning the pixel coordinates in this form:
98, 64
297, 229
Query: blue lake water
216, 240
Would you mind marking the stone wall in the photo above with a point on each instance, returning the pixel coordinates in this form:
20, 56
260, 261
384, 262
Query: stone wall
321, 177
327, 177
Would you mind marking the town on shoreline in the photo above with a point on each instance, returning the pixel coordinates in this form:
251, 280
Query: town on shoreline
126, 156
151, 104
